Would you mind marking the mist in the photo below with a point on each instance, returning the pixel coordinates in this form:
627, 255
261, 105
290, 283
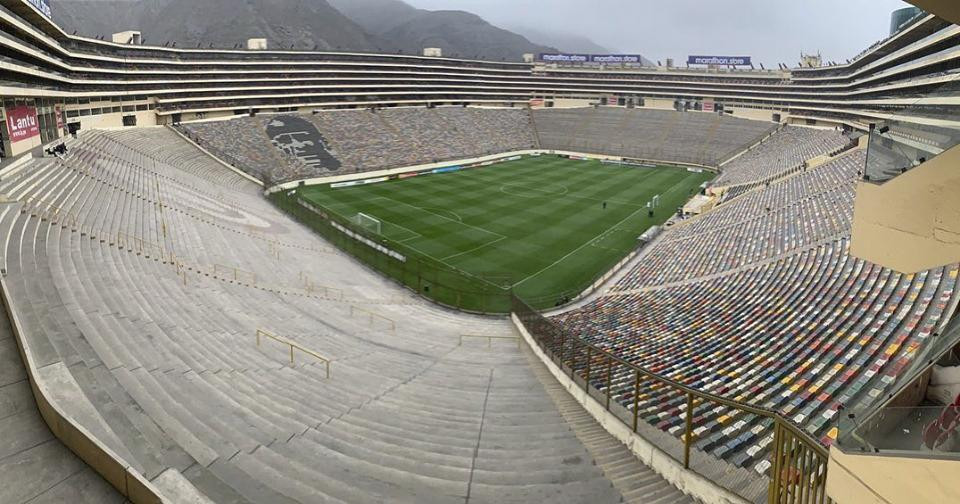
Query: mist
772, 31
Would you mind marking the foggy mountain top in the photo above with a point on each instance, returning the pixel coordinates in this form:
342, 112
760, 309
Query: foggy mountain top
772, 31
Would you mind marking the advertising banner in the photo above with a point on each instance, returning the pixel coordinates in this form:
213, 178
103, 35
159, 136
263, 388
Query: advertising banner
564, 58
43, 6
59, 114
720, 60
359, 182
631, 59
22, 123
447, 169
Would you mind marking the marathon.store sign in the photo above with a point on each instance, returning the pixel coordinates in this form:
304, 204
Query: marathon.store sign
720, 60
591, 58
42, 6
22, 123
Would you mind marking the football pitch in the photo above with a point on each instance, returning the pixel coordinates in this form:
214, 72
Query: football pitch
547, 227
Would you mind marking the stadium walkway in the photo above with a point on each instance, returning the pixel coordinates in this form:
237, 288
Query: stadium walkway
34, 466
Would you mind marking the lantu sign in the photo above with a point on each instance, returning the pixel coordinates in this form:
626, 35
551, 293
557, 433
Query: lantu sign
22, 123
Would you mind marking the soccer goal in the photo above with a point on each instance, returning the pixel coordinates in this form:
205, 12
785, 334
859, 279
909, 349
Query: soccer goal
367, 222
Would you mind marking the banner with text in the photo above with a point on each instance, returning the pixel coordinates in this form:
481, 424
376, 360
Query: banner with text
720, 60
42, 6
630, 59
22, 123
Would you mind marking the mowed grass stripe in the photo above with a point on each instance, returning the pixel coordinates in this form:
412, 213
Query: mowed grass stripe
538, 221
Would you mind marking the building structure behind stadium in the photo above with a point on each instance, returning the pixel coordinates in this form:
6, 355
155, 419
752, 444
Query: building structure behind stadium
898, 102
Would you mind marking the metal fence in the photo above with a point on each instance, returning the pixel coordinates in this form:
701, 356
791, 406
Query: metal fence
797, 462
441, 283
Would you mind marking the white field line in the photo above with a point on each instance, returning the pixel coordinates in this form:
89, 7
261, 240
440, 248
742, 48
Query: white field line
581, 247
498, 240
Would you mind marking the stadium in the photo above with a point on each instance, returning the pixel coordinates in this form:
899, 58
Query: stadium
257, 275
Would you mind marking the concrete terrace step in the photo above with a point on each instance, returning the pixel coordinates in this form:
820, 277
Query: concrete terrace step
637, 482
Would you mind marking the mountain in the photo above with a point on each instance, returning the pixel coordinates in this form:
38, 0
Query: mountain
223, 23
361, 25
564, 42
456, 32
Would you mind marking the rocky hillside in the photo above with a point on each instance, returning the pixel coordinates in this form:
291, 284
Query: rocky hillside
302, 24
362, 25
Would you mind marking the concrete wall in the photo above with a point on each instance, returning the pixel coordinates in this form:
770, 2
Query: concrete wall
23, 146
658, 103
868, 479
749, 113
74, 436
912, 222
114, 120
572, 103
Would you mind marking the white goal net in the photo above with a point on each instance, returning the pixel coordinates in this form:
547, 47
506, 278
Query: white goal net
367, 222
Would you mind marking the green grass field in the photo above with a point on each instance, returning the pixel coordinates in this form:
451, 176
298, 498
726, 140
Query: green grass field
537, 225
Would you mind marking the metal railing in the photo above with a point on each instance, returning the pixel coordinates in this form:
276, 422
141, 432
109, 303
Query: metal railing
310, 287
798, 462
293, 346
489, 339
372, 317
236, 273
140, 246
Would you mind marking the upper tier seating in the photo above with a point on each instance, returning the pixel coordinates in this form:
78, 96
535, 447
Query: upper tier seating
657, 135
140, 272
759, 300
787, 215
366, 140
786, 149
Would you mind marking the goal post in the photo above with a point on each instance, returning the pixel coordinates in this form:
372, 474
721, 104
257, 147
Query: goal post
368, 222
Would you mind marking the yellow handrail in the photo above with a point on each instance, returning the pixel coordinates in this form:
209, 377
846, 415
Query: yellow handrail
310, 287
372, 316
799, 462
235, 271
488, 338
292, 345
142, 246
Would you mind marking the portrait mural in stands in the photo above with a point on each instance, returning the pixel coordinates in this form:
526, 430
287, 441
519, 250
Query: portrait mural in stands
298, 137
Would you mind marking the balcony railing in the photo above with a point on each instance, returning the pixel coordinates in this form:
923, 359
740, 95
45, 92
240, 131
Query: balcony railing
797, 463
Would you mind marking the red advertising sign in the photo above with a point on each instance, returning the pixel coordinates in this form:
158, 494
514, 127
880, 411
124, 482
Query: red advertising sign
22, 123
59, 117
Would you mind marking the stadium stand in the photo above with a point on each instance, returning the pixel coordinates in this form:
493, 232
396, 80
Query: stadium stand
685, 137
371, 139
788, 148
786, 215
140, 286
759, 300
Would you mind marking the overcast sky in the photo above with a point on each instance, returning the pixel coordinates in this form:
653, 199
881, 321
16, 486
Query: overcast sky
769, 30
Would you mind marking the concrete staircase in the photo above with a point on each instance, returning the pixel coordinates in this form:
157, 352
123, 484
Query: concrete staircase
638, 483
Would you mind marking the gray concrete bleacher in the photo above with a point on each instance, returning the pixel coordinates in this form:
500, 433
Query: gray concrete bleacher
368, 140
788, 148
140, 272
659, 135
